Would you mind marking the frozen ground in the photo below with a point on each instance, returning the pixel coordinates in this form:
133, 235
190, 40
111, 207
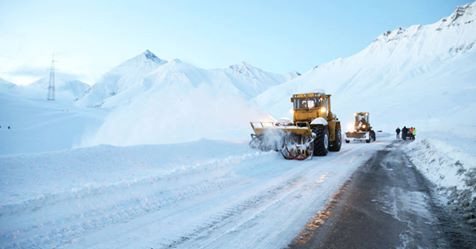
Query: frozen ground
205, 194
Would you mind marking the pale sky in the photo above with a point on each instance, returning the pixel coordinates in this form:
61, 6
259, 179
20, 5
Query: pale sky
90, 37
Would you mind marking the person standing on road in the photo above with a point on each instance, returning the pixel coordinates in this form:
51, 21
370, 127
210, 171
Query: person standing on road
404, 133
398, 132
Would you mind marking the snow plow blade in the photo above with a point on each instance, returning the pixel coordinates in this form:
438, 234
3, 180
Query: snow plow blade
357, 135
294, 142
361, 136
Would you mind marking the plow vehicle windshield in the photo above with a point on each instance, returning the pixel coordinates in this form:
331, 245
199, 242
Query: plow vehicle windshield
306, 103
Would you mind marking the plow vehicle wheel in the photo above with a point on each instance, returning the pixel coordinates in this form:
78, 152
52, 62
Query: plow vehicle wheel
372, 135
335, 146
321, 142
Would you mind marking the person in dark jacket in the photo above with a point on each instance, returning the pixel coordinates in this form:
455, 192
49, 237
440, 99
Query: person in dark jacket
404, 133
398, 132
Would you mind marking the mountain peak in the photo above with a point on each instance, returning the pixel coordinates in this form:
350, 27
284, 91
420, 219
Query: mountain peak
151, 56
463, 17
243, 68
462, 14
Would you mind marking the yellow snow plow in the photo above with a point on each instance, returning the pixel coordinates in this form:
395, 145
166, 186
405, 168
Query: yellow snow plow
315, 130
361, 130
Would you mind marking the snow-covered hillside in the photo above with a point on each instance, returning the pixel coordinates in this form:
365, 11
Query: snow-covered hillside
67, 87
252, 80
125, 77
137, 75
37, 125
422, 75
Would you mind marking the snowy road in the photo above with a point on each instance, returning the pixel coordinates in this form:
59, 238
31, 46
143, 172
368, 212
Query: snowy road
199, 195
386, 204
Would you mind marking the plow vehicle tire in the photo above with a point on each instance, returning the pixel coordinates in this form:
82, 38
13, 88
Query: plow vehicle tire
337, 143
321, 143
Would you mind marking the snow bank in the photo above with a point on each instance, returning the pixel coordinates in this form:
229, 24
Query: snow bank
451, 168
37, 176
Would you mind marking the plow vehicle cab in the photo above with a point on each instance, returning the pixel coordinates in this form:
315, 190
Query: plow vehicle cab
315, 130
361, 130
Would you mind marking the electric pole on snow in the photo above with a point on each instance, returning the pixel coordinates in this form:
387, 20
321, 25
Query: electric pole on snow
51, 85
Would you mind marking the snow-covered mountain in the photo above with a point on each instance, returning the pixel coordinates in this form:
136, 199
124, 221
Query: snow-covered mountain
128, 80
67, 86
422, 75
252, 80
126, 76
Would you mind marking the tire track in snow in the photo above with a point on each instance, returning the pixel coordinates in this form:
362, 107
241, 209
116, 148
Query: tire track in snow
224, 218
266, 200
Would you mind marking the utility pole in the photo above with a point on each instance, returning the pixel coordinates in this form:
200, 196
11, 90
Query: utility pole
51, 85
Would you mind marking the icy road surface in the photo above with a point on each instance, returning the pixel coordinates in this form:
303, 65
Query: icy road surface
386, 204
205, 194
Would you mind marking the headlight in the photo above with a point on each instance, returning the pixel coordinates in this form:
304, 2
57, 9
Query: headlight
363, 126
323, 110
291, 111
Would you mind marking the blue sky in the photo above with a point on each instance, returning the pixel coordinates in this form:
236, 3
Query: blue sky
90, 37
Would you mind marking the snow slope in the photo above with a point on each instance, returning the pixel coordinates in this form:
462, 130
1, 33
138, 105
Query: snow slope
126, 76
131, 78
421, 75
251, 80
205, 194
37, 125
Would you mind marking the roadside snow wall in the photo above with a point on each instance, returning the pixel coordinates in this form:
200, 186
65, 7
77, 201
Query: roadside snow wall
452, 170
